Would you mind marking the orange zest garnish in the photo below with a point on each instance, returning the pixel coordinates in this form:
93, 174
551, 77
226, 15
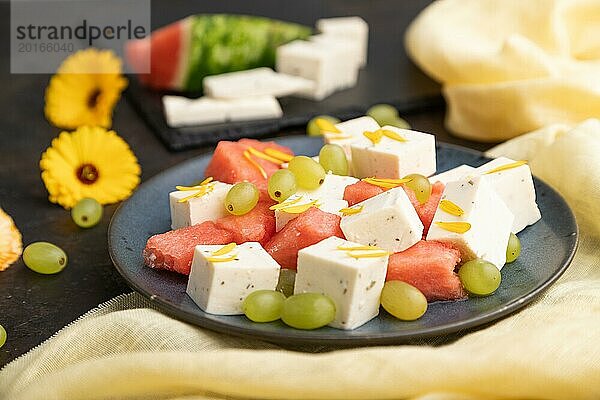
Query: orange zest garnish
451, 208
505, 167
284, 157
224, 250
456, 227
351, 210
326, 126
256, 165
264, 156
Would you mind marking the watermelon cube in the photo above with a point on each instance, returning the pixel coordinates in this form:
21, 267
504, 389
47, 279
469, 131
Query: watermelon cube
174, 250
427, 211
361, 191
428, 266
256, 226
305, 230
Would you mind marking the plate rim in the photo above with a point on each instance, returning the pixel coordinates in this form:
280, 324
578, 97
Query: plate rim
367, 339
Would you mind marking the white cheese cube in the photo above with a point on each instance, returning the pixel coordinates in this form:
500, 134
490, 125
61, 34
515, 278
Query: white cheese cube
332, 206
351, 131
515, 188
254, 82
221, 287
454, 174
333, 187
353, 51
324, 65
354, 284
181, 111
490, 221
252, 108
392, 158
208, 207
352, 28
387, 220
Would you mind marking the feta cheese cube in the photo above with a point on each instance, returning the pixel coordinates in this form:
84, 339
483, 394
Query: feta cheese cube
387, 220
208, 207
353, 50
391, 158
515, 188
253, 108
352, 28
220, 287
332, 206
333, 187
454, 174
490, 221
324, 65
354, 284
254, 82
351, 131
182, 111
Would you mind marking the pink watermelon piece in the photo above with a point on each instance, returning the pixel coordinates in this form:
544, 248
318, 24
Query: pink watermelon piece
361, 191
305, 230
256, 226
428, 266
427, 211
174, 250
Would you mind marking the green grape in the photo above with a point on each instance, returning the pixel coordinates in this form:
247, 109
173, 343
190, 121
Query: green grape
287, 278
420, 185
383, 113
44, 258
333, 158
2, 336
513, 250
241, 198
480, 277
282, 184
313, 130
86, 213
399, 123
308, 311
263, 305
403, 301
309, 173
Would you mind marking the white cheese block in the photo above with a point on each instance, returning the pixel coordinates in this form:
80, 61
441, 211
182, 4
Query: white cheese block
351, 28
181, 111
350, 131
324, 65
254, 82
333, 187
515, 187
454, 174
208, 207
353, 51
490, 220
387, 220
332, 206
354, 284
394, 159
221, 287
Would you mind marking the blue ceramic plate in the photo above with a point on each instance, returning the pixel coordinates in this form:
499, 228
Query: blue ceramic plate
547, 249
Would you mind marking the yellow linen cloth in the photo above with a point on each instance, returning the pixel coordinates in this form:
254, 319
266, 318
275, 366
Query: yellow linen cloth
549, 350
511, 66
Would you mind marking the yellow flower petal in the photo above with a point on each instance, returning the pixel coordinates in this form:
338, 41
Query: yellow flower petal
451, 208
11, 245
506, 167
114, 170
224, 250
456, 227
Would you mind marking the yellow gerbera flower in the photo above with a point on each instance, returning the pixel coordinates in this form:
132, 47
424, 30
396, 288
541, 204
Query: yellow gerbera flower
90, 162
85, 89
11, 245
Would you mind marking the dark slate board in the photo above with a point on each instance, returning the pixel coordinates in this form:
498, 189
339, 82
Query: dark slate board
389, 77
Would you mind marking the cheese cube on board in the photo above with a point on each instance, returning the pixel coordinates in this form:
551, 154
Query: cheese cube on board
354, 28
181, 111
220, 287
252, 108
454, 174
324, 65
394, 159
490, 221
515, 188
349, 132
353, 50
208, 207
254, 82
387, 220
332, 206
333, 187
354, 284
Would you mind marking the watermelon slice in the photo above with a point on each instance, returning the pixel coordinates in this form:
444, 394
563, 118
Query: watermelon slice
305, 230
174, 250
183, 53
427, 211
256, 226
428, 266
229, 165
361, 191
